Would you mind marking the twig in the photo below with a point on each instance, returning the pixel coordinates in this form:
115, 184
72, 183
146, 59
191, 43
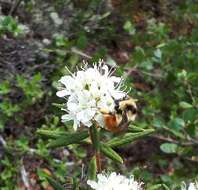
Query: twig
158, 76
15, 7
98, 161
76, 51
168, 139
192, 159
189, 90
3, 142
24, 176
152, 74
5, 1
95, 140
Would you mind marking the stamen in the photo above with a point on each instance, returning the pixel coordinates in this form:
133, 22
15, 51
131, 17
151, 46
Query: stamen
111, 71
69, 71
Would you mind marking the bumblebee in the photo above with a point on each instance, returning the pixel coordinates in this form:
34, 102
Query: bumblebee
125, 112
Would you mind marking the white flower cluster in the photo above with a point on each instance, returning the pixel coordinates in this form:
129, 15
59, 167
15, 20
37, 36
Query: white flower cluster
88, 91
192, 186
114, 182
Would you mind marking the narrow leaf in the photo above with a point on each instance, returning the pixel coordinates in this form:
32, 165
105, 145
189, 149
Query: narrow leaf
55, 184
58, 105
92, 169
51, 134
128, 138
165, 187
110, 153
72, 138
74, 184
154, 187
133, 128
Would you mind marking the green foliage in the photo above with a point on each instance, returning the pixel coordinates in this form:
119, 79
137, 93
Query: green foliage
109, 152
67, 139
129, 27
9, 25
8, 108
4, 88
52, 134
92, 169
128, 138
8, 172
31, 88
56, 185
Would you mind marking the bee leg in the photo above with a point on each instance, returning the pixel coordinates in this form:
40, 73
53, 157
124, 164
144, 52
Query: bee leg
124, 126
124, 123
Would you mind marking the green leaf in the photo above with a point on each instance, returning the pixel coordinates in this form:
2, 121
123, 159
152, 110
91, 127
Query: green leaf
55, 184
154, 187
8, 108
92, 169
37, 78
4, 88
75, 184
133, 128
185, 105
157, 186
175, 132
128, 138
169, 148
52, 134
177, 123
158, 53
111, 62
129, 27
58, 105
158, 123
82, 41
190, 115
72, 138
109, 152
165, 187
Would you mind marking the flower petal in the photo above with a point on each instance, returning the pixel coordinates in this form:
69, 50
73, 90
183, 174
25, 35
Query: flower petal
66, 117
62, 93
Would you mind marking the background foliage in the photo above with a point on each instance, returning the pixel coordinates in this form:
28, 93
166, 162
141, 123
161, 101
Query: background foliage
154, 44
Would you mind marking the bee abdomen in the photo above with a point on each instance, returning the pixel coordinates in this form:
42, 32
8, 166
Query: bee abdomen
111, 123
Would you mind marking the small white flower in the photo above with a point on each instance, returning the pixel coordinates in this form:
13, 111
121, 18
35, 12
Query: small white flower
191, 186
87, 92
114, 182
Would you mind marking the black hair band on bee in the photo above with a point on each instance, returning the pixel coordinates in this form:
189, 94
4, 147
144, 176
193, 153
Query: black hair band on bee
131, 108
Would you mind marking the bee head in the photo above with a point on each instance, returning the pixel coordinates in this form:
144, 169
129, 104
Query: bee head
126, 107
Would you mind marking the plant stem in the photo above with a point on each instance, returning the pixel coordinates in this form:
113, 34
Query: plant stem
98, 161
94, 136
